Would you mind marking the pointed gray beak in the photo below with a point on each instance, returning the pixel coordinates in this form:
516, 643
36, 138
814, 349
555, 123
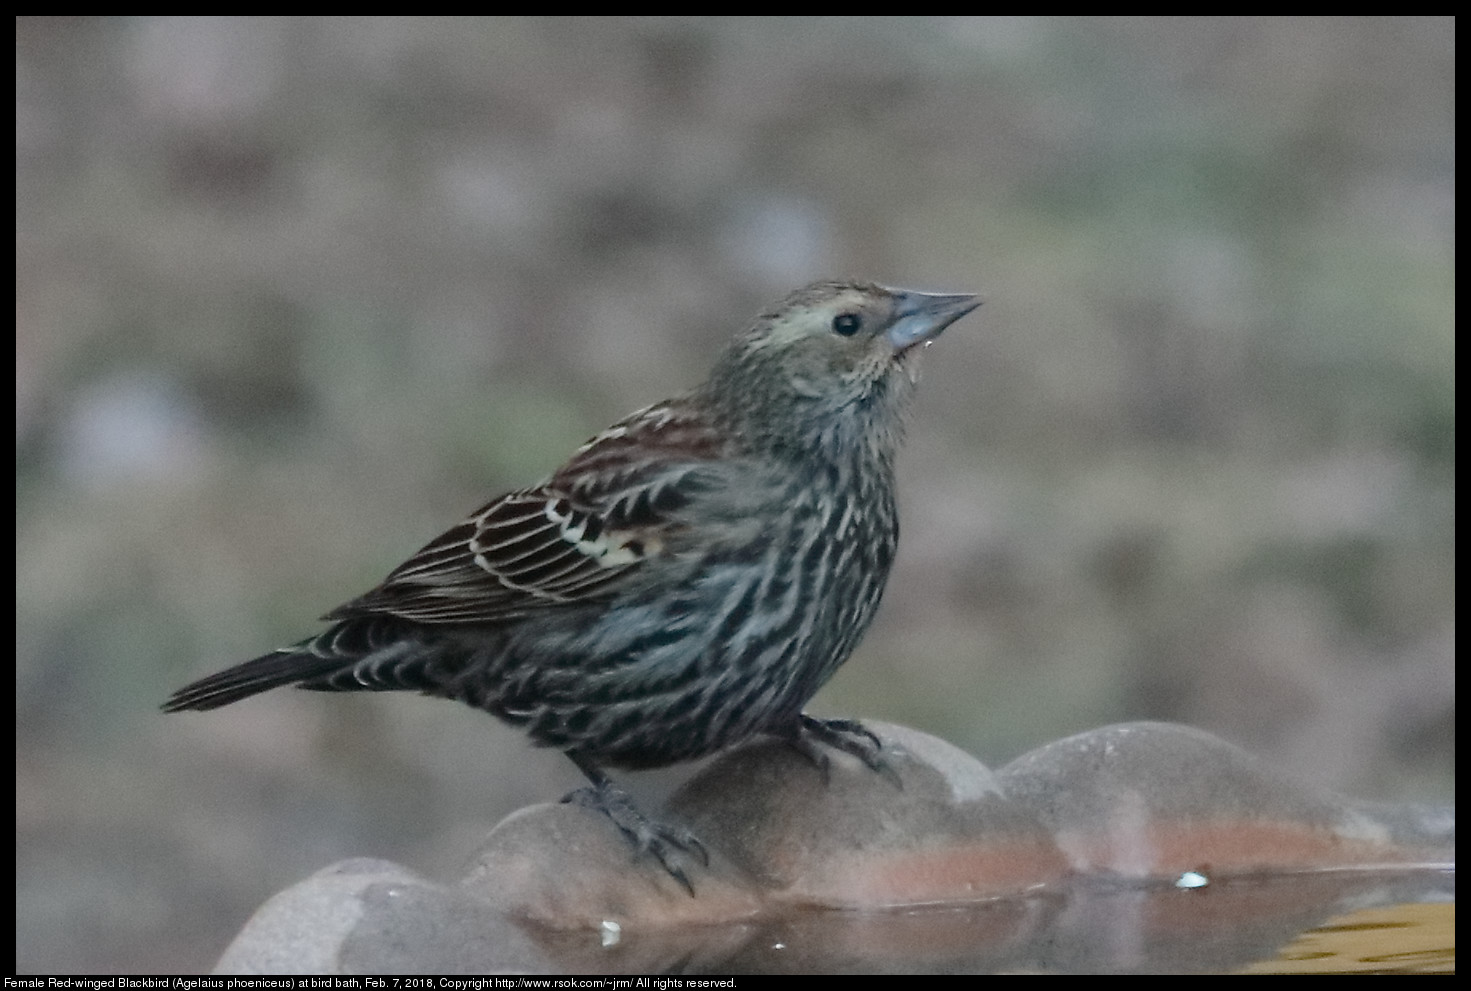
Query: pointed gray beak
922, 315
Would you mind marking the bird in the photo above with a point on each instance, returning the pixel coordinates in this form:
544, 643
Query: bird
685, 582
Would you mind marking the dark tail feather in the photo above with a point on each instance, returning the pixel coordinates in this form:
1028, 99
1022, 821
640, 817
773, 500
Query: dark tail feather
368, 654
287, 666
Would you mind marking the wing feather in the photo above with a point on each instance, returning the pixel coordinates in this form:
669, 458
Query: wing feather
574, 539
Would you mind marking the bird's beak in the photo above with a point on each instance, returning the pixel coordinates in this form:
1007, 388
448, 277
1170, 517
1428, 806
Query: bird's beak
922, 315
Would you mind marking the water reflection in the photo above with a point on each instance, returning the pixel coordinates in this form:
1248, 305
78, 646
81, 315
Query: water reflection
1296, 923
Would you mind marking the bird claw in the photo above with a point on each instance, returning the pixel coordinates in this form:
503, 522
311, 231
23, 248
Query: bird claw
668, 844
847, 735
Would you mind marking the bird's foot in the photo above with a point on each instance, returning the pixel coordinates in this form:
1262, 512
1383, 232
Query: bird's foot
672, 846
847, 735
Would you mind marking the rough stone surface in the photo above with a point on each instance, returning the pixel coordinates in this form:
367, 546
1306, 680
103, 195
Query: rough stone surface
946, 834
557, 887
374, 917
1156, 799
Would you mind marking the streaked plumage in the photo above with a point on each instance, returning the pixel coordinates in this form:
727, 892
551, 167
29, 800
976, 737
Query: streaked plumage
686, 581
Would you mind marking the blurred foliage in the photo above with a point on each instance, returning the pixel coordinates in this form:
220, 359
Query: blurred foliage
294, 294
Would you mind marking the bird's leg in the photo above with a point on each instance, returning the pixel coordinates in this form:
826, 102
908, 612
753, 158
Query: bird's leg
665, 842
847, 735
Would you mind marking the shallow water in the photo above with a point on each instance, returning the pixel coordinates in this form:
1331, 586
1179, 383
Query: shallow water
1323, 922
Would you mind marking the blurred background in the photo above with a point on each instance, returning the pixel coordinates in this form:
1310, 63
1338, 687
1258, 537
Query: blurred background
294, 295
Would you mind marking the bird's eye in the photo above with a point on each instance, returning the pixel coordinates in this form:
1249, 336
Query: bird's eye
847, 324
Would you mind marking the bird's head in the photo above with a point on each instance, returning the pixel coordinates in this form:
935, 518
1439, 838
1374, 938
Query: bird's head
831, 366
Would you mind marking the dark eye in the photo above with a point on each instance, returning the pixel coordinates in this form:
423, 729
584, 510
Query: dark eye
847, 324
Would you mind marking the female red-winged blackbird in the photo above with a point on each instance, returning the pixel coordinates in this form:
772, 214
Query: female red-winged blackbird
686, 581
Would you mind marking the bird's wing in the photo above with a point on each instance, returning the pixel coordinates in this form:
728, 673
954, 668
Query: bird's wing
573, 539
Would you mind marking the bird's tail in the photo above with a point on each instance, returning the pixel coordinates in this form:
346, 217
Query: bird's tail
287, 666
355, 655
